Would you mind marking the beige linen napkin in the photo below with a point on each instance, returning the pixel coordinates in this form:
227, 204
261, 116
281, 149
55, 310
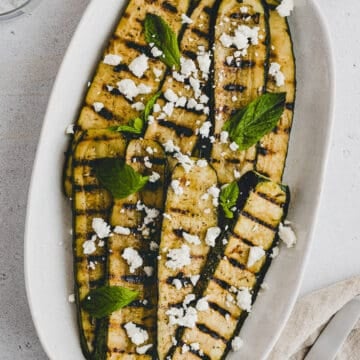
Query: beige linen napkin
310, 315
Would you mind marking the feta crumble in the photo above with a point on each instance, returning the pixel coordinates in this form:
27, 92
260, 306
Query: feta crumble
183, 317
170, 95
113, 60
89, 246
287, 235
136, 334
177, 283
156, 52
185, 19
101, 228
234, 146
224, 137
138, 106
194, 279
70, 129
154, 177
205, 129
175, 185
178, 258
141, 350
275, 252
244, 299
191, 239
236, 343
133, 259
139, 65
201, 163
98, 106
285, 8
274, 71
149, 270
211, 235
202, 304
255, 254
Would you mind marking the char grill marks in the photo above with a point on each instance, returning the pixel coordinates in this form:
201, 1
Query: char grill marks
217, 325
186, 213
239, 80
183, 125
130, 213
90, 201
272, 161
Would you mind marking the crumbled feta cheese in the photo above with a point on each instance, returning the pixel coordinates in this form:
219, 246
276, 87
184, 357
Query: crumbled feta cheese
147, 162
122, 230
144, 89
188, 299
214, 191
178, 258
136, 334
168, 108
244, 9
70, 129
181, 102
285, 8
175, 185
98, 106
237, 343
170, 147
226, 40
138, 106
149, 270
177, 283
204, 99
211, 235
204, 62
133, 259
202, 304
194, 279
101, 243
191, 104
186, 162
255, 254
275, 252
234, 98
92, 265
157, 72
201, 163
234, 146
156, 52
205, 129
170, 95
71, 298
224, 137
287, 235
151, 215
185, 19
128, 88
167, 216
184, 349
111, 59
191, 239
89, 246
274, 71
207, 211
141, 350
174, 341
229, 60
183, 317
244, 299
101, 228
154, 177
237, 174
188, 67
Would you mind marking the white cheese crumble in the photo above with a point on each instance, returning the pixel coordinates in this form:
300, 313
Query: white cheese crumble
177, 283
185, 348
130, 90
191, 239
188, 67
113, 60
136, 334
184, 317
204, 61
154, 177
201, 163
202, 304
138, 106
214, 191
237, 343
89, 246
224, 137
133, 259
244, 9
170, 147
71, 298
255, 254
101, 228
141, 350
157, 72
168, 108
149, 270
194, 279
285, 8
211, 235
195, 346
287, 235
185, 161
237, 174
275, 252
98, 106
139, 65
156, 52
70, 129
185, 19
178, 258
175, 185
243, 299
205, 129
274, 71
170, 95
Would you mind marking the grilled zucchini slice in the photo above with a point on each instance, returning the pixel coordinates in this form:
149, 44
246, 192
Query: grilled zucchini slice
90, 201
238, 82
128, 42
262, 205
272, 149
188, 210
182, 126
130, 213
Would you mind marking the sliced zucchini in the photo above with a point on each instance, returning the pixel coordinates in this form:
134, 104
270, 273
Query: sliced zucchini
188, 210
130, 214
237, 82
182, 126
262, 205
272, 149
90, 201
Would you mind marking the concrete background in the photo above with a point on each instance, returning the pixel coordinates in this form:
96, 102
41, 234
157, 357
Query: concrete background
31, 50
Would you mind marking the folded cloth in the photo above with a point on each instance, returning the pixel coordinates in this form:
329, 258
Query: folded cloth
310, 315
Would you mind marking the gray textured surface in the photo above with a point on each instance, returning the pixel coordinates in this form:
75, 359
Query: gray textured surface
31, 49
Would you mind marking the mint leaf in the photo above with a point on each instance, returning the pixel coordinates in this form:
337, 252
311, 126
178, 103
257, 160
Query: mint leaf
119, 178
228, 198
158, 32
248, 125
136, 126
105, 300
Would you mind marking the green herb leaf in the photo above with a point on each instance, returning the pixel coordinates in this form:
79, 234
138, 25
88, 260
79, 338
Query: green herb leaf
247, 126
119, 178
105, 300
149, 106
158, 32
228, 198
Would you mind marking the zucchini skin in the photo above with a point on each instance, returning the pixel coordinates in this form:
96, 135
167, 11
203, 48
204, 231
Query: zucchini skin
90, 200
238, 84
273, 148
227, 266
